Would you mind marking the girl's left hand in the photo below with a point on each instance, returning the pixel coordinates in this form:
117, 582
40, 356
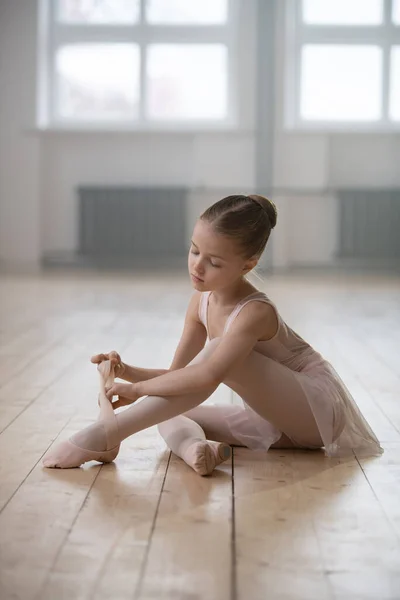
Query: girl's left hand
126, 393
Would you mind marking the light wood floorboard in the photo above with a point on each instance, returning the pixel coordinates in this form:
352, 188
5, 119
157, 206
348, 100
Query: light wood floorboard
283, 525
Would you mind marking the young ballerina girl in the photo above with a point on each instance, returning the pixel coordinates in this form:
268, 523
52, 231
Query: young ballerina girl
293, 398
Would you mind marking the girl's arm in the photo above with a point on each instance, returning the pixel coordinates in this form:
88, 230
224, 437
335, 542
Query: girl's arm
193, 338
254, 321
135, 374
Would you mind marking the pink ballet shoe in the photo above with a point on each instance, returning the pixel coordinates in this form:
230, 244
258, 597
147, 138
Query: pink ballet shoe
68, 455
204, 456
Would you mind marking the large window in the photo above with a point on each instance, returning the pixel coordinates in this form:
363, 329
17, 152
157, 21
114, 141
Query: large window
140, 63
343, 60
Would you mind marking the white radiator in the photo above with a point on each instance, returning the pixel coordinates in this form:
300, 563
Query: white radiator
369, 224
132, 225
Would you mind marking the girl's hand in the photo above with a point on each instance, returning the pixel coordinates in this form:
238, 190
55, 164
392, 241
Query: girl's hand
115, 359
126, 393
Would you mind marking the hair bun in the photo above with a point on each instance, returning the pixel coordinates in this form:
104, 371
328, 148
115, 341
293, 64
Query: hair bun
268, 206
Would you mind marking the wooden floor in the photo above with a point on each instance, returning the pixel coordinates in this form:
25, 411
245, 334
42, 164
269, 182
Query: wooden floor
283, 525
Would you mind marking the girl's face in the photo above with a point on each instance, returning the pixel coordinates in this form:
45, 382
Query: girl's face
214, 261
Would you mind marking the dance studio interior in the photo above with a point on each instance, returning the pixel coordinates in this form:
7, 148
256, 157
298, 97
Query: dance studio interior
121, 123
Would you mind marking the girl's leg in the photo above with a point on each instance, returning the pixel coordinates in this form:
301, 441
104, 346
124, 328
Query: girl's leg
274, 392
213, 421
187, 439
202, 437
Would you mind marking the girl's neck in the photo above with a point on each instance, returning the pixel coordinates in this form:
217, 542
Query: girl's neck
232, 294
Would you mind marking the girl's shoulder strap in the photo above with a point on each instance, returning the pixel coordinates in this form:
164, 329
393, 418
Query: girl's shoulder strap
260, 296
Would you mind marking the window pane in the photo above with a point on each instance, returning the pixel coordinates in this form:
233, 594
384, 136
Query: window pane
395, 84
342, 12
196, 12
341, 83
187, 81
98, 81
98, 11
396, 12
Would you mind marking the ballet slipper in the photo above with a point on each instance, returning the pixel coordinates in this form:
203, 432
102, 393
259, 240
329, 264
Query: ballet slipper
68, 454
204, 455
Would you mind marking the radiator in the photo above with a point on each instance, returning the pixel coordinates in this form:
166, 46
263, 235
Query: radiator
369, 224
132, 225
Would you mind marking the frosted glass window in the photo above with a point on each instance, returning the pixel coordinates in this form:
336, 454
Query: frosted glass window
341, 82
396, 12
99, 11
98, 81
343, 12
187, 81
394, 103
194, 12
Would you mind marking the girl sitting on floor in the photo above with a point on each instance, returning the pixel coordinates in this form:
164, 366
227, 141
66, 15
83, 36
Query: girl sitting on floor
293, 397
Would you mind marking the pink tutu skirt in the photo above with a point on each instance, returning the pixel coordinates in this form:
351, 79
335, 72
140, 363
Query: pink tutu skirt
343, 429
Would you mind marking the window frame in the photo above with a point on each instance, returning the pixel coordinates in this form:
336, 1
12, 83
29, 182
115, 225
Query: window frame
58, 34
298, 34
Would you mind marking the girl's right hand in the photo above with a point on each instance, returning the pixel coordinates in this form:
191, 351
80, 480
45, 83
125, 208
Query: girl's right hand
115, 360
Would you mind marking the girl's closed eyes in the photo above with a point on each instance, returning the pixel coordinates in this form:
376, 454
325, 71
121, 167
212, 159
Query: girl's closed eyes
211, 263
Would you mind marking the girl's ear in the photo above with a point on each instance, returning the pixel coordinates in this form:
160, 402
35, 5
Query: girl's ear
250, 264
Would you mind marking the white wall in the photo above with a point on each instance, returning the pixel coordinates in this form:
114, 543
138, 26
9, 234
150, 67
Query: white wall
19, 152
40, 171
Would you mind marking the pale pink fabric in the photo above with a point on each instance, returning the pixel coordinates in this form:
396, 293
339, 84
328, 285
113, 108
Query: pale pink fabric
341, 425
